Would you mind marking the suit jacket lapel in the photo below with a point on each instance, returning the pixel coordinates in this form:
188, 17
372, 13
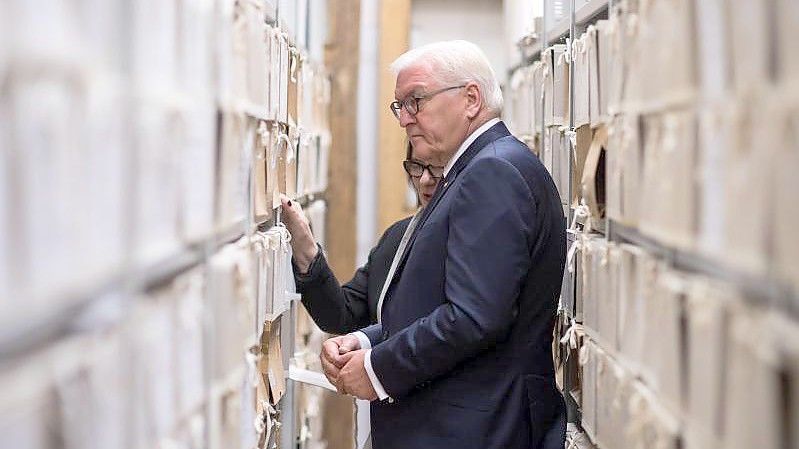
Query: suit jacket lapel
496, 132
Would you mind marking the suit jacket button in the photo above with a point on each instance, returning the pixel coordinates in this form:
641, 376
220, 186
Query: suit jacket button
385, 335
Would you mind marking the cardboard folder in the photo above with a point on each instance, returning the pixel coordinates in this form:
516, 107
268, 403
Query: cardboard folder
593, 179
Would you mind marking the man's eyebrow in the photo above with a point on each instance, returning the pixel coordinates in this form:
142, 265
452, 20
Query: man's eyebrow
414, 91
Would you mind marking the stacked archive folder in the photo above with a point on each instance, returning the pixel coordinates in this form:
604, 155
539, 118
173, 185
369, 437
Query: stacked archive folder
678, 325
148, 296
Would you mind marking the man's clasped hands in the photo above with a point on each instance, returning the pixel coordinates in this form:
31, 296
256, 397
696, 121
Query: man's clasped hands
343, 363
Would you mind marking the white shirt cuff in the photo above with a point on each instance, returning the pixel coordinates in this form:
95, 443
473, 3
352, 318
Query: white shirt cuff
381, 392
363, 339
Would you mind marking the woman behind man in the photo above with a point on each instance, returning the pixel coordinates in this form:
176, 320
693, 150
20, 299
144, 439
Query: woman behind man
339, 309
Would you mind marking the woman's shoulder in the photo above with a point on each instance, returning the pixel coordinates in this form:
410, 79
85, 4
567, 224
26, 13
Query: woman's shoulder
394, 232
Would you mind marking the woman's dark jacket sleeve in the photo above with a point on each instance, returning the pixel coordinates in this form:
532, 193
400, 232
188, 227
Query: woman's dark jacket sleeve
339, 309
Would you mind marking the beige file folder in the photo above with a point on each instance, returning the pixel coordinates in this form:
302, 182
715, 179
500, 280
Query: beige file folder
593, 76
637, 277
786, 238
751, 50
669, 188
560, 86
707, 313
787, 14
752, 395
583, 138
748, 177
665, 356
609, 270
272, 369
262, 198
589, 359
257, 52
538, 69
581, 81
613, 392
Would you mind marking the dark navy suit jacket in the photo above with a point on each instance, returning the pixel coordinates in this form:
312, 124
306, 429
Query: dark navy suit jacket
464, 347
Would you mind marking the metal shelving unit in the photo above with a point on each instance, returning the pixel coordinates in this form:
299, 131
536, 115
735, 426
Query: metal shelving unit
577, 20
760, 290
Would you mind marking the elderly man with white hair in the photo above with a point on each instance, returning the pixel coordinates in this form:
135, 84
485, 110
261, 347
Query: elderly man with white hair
461, 356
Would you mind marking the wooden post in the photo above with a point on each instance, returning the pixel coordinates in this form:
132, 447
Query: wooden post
395, 23
341, 58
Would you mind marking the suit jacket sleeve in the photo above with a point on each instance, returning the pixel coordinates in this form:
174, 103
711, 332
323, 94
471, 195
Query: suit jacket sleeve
491, 230
335, 308
374, 333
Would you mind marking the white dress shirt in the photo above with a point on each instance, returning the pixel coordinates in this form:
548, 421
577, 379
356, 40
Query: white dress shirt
362, 338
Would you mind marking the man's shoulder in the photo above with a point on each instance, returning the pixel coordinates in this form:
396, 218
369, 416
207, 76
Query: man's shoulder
509, 149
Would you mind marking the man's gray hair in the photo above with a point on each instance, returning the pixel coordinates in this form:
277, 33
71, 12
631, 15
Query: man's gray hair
456, 62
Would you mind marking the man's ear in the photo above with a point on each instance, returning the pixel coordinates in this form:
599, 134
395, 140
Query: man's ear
474, 100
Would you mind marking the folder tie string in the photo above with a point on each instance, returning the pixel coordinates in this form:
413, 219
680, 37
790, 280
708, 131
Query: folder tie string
570, 337
251, 357
275, 154
264, 138
582, 211
639, 417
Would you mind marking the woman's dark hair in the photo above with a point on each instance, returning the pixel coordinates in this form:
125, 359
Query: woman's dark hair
409, 156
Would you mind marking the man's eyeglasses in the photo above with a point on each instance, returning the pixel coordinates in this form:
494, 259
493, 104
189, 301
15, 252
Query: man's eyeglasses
416, 169
411, 103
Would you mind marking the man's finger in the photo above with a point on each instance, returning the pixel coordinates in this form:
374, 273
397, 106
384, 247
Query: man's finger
330, 350
347, 346
343, 359
331, 372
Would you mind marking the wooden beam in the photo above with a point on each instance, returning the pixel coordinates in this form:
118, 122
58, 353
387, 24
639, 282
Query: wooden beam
395, 24
341, 59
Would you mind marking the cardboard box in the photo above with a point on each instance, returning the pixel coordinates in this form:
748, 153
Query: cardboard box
713, 49
669, 179
592, 49
753, 395
785, 130
665, 337
707, 314
581, 81
613, 393
751, 50
257, 52
560, 87
747, 181
232, 170
589, 359
262, 198
584, 136
637, 277
608, 271
787, 14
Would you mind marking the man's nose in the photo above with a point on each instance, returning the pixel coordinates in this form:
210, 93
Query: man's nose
426, 179
405, 118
